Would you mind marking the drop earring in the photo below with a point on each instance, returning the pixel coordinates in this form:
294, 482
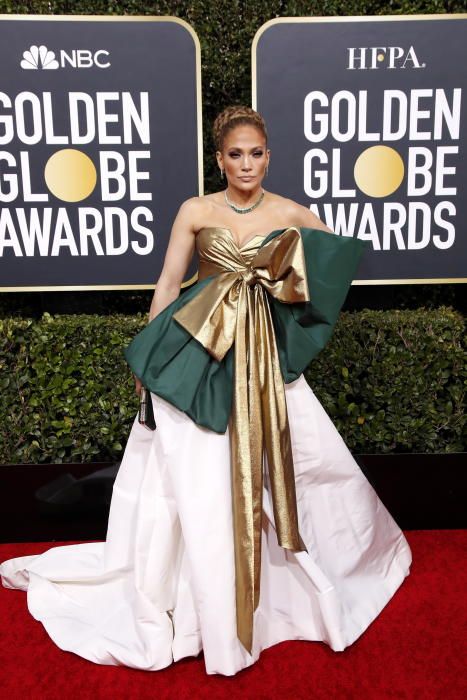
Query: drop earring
222, 174
266, 171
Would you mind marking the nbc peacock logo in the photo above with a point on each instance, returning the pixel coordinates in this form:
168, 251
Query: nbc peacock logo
39, 58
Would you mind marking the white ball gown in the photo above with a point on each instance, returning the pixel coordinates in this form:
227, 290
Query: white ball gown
184, 567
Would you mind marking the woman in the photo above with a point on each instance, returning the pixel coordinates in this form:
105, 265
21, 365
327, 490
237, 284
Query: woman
242, 520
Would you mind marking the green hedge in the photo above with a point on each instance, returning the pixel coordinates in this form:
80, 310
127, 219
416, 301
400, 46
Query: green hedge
391, 382
395, 381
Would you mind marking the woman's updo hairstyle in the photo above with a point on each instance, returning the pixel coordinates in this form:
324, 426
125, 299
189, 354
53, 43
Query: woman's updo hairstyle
231, 117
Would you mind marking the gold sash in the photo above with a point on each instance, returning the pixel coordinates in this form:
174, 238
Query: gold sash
234, 307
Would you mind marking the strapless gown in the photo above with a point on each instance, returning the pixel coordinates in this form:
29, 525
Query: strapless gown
164, 584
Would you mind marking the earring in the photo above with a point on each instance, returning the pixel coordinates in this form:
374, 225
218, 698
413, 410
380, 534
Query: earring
266, 170
222, 174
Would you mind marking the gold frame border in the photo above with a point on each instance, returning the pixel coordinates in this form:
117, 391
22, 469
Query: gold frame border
91, 288
199, 116
353, 18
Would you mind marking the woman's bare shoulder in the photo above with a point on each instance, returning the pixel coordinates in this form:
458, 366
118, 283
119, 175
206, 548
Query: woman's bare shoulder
192, 205
199, 208
276, 200
298, 214
287, 205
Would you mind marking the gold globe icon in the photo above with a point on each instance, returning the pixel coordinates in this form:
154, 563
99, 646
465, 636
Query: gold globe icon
70, 175
379, 171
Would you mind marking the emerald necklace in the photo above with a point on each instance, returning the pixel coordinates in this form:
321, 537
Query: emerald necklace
244, 210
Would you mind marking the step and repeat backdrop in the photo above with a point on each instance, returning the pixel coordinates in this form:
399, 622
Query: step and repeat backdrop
367, 127
100, 142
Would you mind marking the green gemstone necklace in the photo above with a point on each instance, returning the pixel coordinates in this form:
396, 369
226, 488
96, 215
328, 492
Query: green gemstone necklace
244, 210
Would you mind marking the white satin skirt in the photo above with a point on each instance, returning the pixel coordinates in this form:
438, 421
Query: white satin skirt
162, 585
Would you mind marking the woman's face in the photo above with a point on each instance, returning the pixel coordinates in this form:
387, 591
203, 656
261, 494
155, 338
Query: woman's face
244, 157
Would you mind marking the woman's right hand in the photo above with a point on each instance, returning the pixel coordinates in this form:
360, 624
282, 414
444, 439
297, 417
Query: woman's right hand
138, 384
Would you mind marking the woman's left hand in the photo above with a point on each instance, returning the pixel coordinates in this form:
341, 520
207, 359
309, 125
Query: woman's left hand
138, 384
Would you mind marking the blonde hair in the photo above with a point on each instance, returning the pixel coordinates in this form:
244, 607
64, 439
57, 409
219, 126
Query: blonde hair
231, 117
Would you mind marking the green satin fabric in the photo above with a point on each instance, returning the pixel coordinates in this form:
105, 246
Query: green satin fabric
175, 366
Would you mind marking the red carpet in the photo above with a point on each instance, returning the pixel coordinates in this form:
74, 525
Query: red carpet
415, 649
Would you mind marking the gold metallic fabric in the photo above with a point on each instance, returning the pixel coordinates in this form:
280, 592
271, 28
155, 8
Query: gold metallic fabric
233, 308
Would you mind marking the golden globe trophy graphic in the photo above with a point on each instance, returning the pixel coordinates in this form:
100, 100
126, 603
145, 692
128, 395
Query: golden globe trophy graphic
379, 171
70, 175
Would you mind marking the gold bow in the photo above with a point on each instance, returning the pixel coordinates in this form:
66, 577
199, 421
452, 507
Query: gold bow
234, 307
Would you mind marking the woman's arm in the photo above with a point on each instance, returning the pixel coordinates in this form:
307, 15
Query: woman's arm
177, 258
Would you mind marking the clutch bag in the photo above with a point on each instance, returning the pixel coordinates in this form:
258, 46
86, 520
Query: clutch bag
146, 411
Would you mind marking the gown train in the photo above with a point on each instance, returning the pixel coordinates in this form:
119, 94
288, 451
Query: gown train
162, 585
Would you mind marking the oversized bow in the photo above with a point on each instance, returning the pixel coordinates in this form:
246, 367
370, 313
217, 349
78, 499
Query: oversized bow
234, 307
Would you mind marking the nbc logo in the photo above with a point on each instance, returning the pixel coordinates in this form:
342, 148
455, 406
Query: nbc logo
39, 57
